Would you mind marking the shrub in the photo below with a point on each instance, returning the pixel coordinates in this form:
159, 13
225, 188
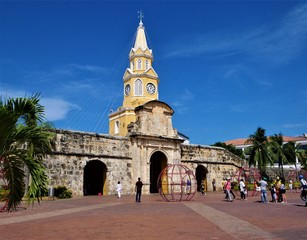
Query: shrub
250, 186
296, 184
62, 192
3, 194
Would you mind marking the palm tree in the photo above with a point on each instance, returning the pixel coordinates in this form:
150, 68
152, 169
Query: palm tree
259, 152
278, 153
292, 152
24, 142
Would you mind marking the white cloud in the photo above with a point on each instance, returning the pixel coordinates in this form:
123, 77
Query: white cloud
183, 101
57, 109
90, 68
7, 92
264, 83
276, 43
68, 72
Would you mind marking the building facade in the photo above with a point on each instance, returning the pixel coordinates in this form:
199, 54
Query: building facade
141, 141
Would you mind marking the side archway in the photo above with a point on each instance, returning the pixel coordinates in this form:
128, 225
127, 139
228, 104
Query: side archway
201, 176
158, 162
94, 178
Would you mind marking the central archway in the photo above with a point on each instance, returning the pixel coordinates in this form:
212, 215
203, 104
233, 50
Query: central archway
94, 178
201, 177
158, 162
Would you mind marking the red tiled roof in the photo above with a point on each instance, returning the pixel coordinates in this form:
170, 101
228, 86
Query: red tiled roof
241, 141
236, 142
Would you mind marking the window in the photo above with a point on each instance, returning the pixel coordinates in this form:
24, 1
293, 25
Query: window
139, 64
116, 127
147, 64
138, 89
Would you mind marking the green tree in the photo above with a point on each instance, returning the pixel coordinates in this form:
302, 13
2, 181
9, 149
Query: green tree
293, 152
277, 151
230, 148
259, 151
304, 159
24, 141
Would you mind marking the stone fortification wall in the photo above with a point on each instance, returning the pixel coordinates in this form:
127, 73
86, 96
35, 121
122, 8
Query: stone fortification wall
218, 161
73, 150
126, 158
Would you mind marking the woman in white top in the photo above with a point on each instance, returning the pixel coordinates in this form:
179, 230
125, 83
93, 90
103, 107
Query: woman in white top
119, 189
242, 189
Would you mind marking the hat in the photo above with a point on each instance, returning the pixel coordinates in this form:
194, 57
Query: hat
228, 178
264, 178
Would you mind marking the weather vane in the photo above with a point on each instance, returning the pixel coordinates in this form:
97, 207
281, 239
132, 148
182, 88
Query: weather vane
141, 15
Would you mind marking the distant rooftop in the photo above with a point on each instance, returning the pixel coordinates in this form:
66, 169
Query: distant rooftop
241, 141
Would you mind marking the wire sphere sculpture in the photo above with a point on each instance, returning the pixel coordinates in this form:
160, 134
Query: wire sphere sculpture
177, 183
250, 177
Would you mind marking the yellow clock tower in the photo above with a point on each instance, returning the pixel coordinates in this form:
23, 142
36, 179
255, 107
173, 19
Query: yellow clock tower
140, 84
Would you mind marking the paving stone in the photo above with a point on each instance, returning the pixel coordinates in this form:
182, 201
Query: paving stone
204, 217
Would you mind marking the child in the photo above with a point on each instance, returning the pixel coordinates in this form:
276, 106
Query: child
273, 193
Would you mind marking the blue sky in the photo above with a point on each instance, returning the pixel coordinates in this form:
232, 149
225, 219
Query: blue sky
225, 67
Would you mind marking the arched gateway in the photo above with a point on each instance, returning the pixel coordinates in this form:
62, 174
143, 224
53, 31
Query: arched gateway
201, 176
94, 181
158, 162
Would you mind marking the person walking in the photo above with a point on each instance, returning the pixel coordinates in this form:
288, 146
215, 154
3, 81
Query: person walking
213, 185
278, 192
282, 191
223, 186
138, 190
202, 188
291, 185
119, 189
263, 186
227, 187
273, 193
303, 188
188, 188
242, 189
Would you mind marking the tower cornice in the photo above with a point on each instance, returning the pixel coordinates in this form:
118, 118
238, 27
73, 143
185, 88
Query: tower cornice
135, 55
142, 75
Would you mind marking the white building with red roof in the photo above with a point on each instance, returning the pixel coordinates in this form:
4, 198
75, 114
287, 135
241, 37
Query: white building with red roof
300, 141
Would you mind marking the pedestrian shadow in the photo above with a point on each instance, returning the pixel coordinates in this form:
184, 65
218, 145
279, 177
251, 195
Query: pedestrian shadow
299, 205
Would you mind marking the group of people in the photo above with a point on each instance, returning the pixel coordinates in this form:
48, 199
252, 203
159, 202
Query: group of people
227, 187
277, 189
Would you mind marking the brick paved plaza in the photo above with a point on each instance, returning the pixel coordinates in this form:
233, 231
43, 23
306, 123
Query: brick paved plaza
205, 217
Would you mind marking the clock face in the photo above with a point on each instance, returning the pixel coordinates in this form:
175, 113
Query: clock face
127, 89
150, 88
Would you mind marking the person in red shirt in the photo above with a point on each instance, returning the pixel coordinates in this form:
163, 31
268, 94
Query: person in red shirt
227, 187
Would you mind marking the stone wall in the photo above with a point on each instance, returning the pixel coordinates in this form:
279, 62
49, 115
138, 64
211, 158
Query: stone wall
65, 166
219, 162
127, 158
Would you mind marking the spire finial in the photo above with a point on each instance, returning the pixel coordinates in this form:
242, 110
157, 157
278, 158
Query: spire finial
141, 15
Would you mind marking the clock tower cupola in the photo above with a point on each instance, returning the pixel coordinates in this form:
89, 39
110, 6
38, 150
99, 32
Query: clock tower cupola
140, 79
140, 83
